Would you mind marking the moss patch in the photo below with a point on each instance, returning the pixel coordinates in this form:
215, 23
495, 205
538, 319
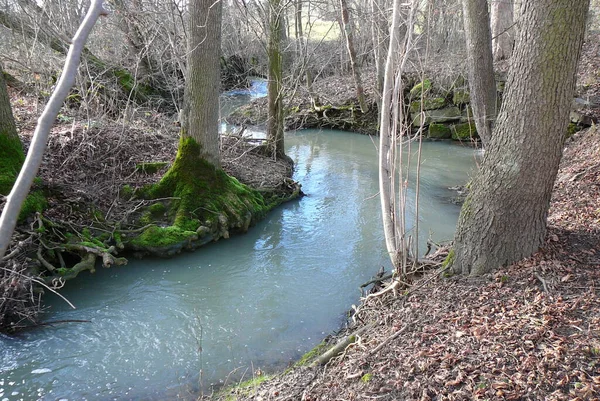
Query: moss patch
312, 354
421, 88
11, 160
203, 195
464, 131
439, 131
35, 202
461, 97
427, 104
163, 236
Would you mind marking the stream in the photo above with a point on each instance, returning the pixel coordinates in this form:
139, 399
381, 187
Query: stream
169, 329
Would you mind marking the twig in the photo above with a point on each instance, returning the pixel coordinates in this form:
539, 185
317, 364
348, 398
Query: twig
543, 282
390, 338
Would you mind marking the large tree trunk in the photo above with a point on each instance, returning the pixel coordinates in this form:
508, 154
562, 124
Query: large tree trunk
275, 121
201, 115
480, 64
352, 55
503, 37
504, 218
11, 151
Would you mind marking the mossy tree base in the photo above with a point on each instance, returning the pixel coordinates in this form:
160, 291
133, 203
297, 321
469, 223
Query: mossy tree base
201, 204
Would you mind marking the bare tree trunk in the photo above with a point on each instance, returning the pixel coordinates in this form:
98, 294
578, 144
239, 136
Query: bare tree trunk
11, 150
274, 87
482, 84
201, 113
387, 145
503, 38
347, 27
19, 192
504, 217
379, 25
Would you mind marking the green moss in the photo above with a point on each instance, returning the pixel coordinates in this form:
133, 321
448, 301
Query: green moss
427, 104
312, 354
126, 192
366, 378
35, 202
421, 88
464, 132
11, 160
461, 97
163, 236
573, 128
449, 259
150, 167
157, 209
439, 131
203, 190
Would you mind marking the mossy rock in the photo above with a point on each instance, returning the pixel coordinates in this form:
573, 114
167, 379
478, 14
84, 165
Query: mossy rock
439, 131
447, 114
460, 97
427, 104
421, 88
464, 131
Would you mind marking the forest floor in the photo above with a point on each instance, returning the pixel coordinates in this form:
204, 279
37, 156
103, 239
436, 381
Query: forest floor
530, 331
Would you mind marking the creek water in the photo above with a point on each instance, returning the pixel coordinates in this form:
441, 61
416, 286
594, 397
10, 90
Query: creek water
167, 329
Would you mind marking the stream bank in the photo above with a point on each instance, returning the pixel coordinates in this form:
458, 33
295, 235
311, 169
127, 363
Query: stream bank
93, 178
526, 332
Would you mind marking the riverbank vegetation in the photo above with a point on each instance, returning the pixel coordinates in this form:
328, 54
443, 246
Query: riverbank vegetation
135, 165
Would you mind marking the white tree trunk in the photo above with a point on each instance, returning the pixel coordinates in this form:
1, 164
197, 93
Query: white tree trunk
19, 192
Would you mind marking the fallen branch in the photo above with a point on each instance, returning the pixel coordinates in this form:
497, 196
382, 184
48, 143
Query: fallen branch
340, 346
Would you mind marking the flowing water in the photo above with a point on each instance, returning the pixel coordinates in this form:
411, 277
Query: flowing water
167, 329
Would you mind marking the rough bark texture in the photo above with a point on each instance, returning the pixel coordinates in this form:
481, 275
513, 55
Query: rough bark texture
7, 121
504, 218
360, 93
503, 37
201, 120
480, 64
275, 97
11, 150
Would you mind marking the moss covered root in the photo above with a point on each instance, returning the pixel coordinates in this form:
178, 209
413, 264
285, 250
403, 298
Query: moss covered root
206, 204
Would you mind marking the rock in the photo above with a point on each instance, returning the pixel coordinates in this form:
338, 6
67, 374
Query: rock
439, 131
467, 115
422, 87
460, 97
464, 131
202, 231
428, 104
446, 114
579, 118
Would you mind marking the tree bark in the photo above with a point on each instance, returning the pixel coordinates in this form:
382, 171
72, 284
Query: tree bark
482, 84
352, 55
19, 192
503, 37
275, 123
504, 218
11, 150
387, 146
201, 117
